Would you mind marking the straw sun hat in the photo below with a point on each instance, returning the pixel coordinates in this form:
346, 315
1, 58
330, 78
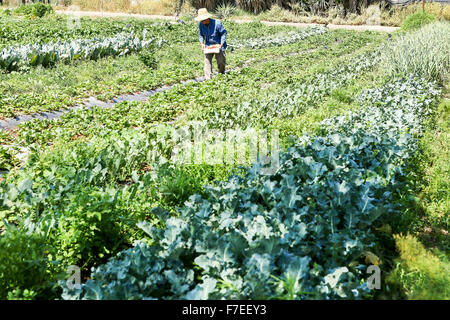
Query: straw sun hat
203, 14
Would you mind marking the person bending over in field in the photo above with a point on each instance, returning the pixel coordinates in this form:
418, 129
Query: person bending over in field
212, 33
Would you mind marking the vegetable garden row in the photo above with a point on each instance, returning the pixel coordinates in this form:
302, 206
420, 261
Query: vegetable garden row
93, 194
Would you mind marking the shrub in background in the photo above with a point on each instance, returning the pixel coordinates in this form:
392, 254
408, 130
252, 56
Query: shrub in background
225, 10
7, 159
277, 13
446, 12
418, 20
396, 15
38, 10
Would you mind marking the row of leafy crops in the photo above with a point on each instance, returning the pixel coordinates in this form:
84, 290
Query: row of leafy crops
295, 98
48, 89
47, 198
194, 98
278, 39
85, 123
303, 233
54, 29
15, 58
47, 54
63, 28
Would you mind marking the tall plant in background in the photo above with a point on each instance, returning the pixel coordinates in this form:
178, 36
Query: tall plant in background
225, 10
317, 6
254, 6
423, 52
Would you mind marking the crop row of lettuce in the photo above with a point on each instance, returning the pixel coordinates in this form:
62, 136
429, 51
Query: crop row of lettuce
15, 58
302, 233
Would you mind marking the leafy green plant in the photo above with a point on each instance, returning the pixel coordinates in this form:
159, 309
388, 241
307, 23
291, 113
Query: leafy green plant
225, 10
38, 10
88, 229
6, 12
251, 237
294, 98
419, 272
23, 264
18, 294
7, 159
279, 39
147, 56
417, 20
177, 185
14, 58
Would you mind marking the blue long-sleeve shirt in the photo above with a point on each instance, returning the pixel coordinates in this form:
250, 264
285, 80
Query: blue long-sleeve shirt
213, 33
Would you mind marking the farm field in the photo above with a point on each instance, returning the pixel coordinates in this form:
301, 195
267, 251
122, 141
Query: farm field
334, 161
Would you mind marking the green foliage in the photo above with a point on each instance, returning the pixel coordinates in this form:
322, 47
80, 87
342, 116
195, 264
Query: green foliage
17, 57
177, 183
301, 233
428, 201
437, 142
225, 10
417, 20
147, 56
342, 95
83, 216
18, 294
419, 272
194, 99
65, 85
88, 228
37, 10
40, 10
293, 99
23, 264
278, 39
6, 12
254, 6
424, 52
7, 159
96, 192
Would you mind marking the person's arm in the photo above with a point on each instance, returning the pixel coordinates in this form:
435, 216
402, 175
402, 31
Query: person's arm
200, 37
223, 33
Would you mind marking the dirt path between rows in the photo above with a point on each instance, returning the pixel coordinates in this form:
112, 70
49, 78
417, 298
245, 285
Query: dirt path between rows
269, 23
